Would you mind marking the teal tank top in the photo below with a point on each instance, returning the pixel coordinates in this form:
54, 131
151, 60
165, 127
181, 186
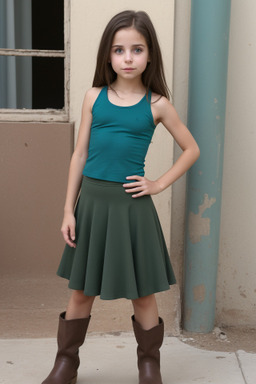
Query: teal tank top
119, 139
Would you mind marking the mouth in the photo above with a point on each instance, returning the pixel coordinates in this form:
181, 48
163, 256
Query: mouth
128, 69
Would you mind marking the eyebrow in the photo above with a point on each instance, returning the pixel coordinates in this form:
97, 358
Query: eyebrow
133, 45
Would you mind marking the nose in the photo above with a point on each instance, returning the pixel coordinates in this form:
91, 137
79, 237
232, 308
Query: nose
128, 57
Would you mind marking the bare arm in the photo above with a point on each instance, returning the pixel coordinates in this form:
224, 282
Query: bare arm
77, 164
78, 159
164, 112
182, 136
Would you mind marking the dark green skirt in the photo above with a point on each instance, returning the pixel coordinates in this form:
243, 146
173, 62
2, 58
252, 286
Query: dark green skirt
120, 249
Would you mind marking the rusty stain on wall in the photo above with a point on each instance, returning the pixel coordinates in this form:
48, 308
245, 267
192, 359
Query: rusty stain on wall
199, 226
199, 293
242, 292
241, 316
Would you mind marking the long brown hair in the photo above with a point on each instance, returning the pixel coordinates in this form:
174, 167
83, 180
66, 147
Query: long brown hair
153, 77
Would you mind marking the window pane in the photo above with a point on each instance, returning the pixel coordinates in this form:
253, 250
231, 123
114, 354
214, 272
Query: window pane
15, 82
48, 82
31, 82
15, 24
48, 24
26, 24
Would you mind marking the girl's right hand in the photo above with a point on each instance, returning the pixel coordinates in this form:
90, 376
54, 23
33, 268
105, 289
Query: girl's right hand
68, 229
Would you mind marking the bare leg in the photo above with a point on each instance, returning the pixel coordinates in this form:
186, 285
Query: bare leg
146, 312
79, 305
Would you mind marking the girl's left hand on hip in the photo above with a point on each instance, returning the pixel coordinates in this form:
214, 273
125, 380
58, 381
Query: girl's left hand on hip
142, 186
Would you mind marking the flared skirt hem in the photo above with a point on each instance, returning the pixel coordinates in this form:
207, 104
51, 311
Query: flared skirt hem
125, 295
120, 248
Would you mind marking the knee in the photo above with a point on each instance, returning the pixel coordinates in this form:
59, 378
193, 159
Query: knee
79, 298
144, 303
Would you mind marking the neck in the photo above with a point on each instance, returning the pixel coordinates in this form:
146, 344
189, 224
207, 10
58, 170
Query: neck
128, 86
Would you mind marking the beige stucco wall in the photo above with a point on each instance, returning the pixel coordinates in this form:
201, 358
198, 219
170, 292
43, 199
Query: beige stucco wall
236, 288
88, 20
180, 100
236, 295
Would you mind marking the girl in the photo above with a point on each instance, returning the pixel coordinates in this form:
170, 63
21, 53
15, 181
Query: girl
115, 246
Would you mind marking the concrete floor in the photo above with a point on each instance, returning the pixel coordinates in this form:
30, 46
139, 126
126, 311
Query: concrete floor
109, 359
29, 309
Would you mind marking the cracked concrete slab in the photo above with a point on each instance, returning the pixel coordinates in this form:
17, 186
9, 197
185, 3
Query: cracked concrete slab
111, 359
247, 362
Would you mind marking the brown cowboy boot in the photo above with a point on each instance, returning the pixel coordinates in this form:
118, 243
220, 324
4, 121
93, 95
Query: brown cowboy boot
71, 335
149, 343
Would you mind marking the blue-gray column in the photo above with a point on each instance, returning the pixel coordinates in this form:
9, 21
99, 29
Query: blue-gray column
210, 21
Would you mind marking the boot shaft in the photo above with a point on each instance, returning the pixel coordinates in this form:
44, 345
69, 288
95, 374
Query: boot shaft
71, 333
151, 340
149, 343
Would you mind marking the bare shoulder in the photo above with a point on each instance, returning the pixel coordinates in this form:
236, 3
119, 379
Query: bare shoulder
161, 107
160, 101
91, 96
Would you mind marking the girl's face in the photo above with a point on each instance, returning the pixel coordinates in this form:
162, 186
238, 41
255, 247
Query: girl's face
129, 53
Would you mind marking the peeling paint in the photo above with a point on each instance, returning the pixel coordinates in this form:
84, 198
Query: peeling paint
199, 293
199, 226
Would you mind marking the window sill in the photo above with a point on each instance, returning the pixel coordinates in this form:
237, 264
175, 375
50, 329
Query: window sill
46, 115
